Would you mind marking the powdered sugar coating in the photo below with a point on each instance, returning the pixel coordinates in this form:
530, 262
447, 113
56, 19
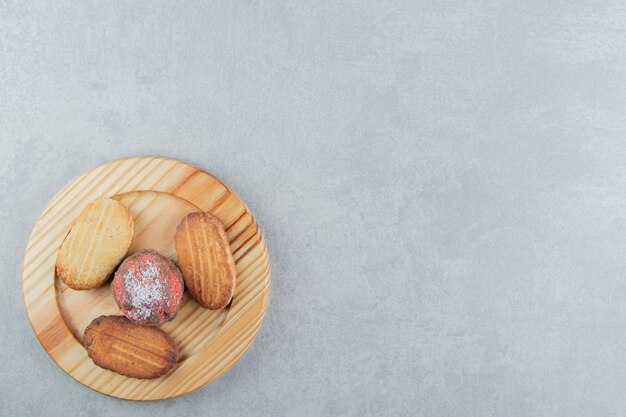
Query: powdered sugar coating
148, 288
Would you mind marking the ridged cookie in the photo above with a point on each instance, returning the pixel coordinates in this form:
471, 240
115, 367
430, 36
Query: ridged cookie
205, 260
116, 344
96, 243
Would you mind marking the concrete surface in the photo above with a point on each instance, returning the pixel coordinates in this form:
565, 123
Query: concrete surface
442, 186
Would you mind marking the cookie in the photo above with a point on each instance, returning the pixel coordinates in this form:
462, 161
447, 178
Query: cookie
148, 288
116, 344
96, 243
205, 260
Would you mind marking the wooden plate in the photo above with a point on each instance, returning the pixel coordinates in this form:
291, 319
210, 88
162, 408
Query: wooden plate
159, 192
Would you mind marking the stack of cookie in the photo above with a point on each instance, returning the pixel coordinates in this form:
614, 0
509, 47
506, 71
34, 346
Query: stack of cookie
147, 287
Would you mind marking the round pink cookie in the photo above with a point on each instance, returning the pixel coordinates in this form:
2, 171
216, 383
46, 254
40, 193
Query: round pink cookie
148, 288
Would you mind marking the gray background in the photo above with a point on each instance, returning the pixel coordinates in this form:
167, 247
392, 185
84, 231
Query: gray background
442, 186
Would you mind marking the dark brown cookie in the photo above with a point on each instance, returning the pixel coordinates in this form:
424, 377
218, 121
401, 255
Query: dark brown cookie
116, 344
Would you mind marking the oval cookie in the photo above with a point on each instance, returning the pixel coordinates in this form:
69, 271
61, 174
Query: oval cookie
116, 344
96, 243
205, 260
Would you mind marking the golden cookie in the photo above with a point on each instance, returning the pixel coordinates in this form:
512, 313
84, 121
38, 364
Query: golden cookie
205, 260
96, 243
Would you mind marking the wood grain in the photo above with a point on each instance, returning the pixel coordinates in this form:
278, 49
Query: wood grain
159, 192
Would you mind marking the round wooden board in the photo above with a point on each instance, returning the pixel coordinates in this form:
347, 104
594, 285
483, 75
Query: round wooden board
159, 192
